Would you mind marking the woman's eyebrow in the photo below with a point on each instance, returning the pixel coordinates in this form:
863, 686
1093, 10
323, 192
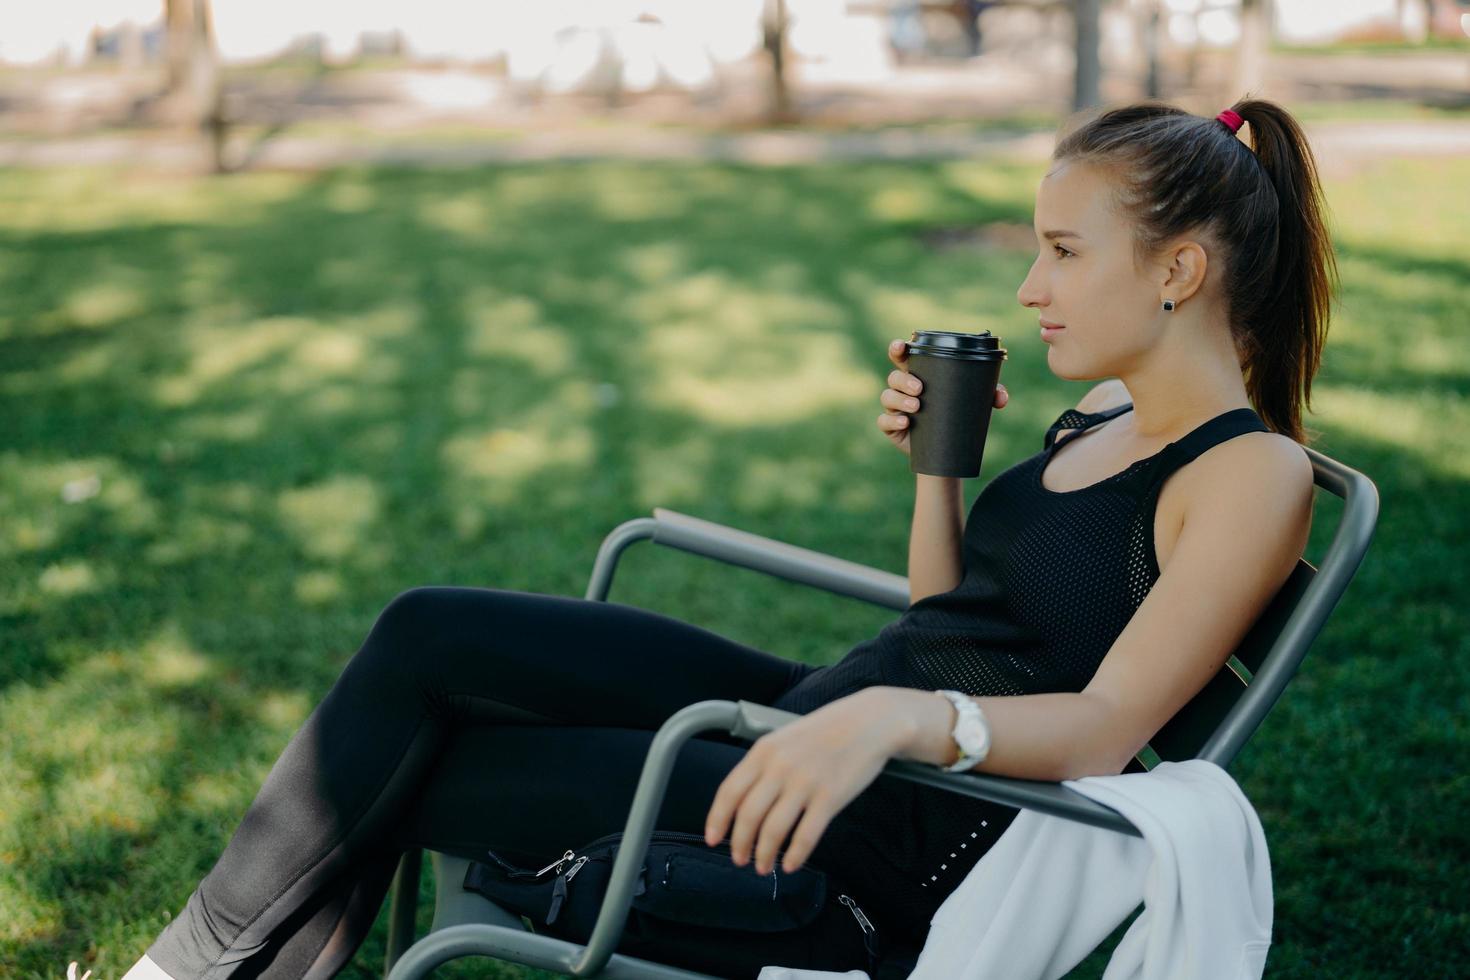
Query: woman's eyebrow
1060, 233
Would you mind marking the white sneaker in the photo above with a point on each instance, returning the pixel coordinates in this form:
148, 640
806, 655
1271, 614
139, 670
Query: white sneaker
144, 969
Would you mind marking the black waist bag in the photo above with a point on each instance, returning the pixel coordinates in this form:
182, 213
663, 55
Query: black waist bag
684, 889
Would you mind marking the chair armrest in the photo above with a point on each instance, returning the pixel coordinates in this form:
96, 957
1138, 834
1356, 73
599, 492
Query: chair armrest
736, 547
746, 719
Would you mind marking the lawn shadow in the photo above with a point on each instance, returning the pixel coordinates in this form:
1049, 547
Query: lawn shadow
321, 391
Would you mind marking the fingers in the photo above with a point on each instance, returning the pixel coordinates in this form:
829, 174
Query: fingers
727, 798
765, 800
776, 827
808, 833
893, 423
897, 401
902, 381
902, 386
765, 817
750, 816
894, 398
897, 406
900, 398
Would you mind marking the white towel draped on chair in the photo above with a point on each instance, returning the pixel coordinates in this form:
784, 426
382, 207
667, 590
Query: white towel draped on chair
1050, 890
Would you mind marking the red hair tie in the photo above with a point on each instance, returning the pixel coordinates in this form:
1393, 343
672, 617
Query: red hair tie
1231, 119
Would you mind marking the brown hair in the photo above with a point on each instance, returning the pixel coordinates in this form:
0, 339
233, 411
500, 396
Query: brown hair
1262, 205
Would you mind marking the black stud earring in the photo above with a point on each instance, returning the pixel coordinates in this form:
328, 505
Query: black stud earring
1168, 306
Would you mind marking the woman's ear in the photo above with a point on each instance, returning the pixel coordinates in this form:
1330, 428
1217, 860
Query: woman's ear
1185, 272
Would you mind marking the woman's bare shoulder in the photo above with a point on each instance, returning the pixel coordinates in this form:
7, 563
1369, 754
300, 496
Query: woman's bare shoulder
1267, 460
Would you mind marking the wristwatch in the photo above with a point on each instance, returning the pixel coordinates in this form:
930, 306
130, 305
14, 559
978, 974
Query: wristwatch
971, 732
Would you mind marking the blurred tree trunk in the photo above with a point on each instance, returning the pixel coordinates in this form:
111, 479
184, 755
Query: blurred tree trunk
130, 54
1191, 61
1087, 81
1255, 36
193, 90
1413, 18
774, 22
1153, 85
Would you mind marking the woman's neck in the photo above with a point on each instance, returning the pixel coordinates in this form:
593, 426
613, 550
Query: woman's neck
1191, 376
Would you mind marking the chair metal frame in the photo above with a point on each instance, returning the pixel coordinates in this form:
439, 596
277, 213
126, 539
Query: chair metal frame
1213, 726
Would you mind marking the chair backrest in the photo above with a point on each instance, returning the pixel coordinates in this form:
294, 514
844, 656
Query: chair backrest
1227, 711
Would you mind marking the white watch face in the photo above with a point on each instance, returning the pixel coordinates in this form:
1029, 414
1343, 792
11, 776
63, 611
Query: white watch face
970, 735
970, 732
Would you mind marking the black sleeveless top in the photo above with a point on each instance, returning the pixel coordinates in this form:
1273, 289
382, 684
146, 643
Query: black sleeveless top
1050, 580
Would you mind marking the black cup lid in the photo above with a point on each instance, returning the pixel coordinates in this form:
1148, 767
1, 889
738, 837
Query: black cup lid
950, 343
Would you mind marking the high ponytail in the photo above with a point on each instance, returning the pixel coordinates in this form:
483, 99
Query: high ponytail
1286, 335
1262, 204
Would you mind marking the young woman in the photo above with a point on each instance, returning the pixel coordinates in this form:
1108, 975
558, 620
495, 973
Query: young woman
1090, 593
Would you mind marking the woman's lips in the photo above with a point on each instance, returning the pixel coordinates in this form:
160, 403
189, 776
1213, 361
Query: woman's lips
1050, 330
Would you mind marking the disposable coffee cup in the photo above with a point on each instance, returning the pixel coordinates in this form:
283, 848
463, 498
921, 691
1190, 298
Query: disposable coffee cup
959, 372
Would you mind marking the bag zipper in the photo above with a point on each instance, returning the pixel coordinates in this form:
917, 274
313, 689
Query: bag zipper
559, 889
857, 913
869, 931
511, 871
577, 866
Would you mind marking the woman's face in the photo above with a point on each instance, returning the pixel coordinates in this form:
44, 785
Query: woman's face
1085, 278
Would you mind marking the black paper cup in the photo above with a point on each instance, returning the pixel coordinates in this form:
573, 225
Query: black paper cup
959, 372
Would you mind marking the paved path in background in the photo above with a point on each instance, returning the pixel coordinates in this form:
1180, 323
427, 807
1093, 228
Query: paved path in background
391, 123
1334, 143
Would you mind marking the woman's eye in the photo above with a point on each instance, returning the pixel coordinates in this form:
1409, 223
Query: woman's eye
1061, 253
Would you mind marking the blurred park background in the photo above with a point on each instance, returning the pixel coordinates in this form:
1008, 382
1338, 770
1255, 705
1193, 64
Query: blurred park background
306, 304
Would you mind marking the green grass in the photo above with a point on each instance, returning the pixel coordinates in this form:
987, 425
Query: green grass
1381, 110
302, 394
1388, 45
243, 136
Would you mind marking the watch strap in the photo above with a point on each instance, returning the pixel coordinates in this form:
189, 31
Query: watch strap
967, 714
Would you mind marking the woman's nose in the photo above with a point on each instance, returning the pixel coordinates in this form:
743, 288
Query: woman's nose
1030, 293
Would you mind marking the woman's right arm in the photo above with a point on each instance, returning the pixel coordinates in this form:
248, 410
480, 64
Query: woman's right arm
937, 533
935, 564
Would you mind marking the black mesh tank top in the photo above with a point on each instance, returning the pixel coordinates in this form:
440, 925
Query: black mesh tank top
1050, 580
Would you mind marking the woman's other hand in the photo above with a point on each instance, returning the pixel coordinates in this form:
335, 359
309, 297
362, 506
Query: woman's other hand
806, 770
901, 398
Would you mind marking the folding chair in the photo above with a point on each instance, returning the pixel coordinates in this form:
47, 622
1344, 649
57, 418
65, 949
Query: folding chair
1212, 726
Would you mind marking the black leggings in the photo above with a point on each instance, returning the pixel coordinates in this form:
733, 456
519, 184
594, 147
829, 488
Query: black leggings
470, 718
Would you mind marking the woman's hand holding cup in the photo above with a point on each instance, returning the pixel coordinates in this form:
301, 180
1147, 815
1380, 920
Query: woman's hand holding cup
901, 398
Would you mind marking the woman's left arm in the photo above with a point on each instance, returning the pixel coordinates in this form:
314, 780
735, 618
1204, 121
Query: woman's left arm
1240, 540
1245, 527
811, 768
1243, 532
